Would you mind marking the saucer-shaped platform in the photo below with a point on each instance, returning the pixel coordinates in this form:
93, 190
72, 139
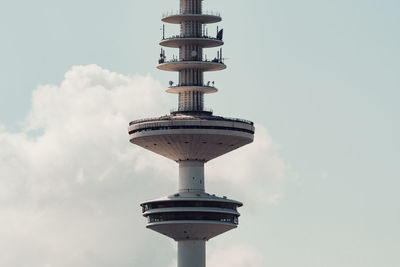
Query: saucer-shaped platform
191, 137
188, 216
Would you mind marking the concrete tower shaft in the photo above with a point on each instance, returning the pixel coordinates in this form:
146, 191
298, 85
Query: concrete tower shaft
192, 253
191, 176
191, 6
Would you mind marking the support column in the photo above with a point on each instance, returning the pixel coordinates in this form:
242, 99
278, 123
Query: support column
191, 176
192, 253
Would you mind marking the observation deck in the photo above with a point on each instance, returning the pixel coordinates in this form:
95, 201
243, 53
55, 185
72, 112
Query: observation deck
203, 41
203, 65
198, 136
178, 18
188, 216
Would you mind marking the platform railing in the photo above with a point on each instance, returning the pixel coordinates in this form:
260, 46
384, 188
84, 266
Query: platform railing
183, 37
178, 13
175, 60
194, 85
169, 118
177, 110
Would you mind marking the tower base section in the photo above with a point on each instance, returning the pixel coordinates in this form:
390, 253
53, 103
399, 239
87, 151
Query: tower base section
192, 253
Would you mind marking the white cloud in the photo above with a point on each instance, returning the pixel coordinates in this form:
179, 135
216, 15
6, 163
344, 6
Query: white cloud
69, 189
255, 172
70, 182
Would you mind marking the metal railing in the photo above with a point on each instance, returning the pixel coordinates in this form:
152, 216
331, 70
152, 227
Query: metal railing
177, 110
238, 120
179, 13
183, 37
184, 84
148, 120
177, 60
170, 118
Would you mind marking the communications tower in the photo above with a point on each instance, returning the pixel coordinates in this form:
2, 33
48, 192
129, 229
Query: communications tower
191, 135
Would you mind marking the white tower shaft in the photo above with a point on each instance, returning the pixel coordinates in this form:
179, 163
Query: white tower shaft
191, 176
192, 253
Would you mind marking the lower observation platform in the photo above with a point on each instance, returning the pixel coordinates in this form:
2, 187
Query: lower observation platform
200, 137
189, 216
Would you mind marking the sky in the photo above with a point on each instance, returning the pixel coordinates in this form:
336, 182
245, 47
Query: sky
319, 184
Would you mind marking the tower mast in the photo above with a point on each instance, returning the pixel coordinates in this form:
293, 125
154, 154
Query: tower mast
191, 63
191, 136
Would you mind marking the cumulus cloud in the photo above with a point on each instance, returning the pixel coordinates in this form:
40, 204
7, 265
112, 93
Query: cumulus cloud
69, 187
71, 183
257, 167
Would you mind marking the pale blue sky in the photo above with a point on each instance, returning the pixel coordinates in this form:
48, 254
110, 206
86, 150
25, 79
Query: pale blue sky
322, 76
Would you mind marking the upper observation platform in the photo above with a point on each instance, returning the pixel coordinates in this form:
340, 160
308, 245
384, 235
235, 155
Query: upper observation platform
204, 65
191, 135
178, 18
204, 41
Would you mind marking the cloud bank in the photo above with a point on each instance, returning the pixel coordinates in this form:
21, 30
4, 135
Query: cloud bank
71, 183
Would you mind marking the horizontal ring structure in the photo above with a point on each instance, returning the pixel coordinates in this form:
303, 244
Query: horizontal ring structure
194, 121
184, 88
192, 229
209, 118
178, 41
187, 200
190, 127
202, 18
188, 111
190, 216
191, 209
194, 203
191, 139
194, 216
179, 65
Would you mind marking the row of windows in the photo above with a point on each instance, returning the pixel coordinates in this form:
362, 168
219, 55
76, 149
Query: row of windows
193, 216
198, 204
190, 127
